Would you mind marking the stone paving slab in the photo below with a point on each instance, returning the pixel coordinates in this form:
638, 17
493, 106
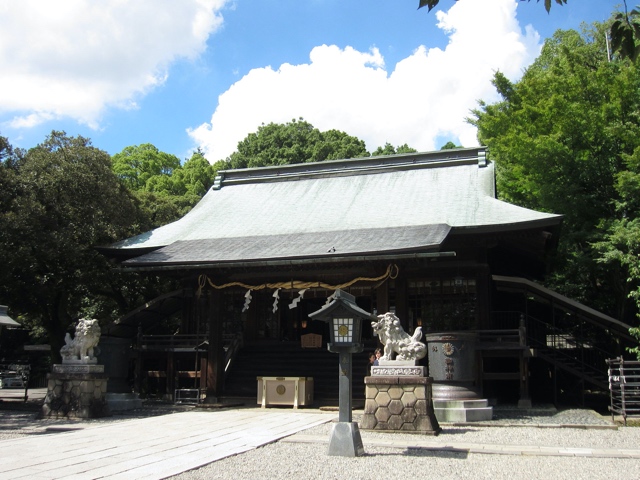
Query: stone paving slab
148, 448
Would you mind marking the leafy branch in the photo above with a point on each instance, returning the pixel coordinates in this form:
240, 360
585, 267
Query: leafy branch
624, 33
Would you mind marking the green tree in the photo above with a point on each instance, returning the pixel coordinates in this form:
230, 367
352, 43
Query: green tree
621, 243
63, 200
294, 142
197, 174
144, 167
165, 189
450, 146
559, 138
389, 149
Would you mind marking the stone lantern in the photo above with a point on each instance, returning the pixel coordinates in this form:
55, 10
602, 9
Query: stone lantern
345, 330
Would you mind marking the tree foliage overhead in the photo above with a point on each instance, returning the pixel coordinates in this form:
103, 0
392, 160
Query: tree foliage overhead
624, 32
294, 142
563, 138
431, 4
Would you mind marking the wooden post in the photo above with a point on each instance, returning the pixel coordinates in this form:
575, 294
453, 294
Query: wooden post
382, 298
215, 357
402, 309
170, 383
137, 375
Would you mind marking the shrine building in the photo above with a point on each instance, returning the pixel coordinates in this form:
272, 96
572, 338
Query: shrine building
422, 235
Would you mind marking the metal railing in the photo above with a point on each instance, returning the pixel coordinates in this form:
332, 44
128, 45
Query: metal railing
582, 357
624, 387
15, 375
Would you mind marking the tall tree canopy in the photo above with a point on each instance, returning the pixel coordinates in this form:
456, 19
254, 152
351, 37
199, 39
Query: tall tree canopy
294, 142
59, 200
389, 149
563, 138
165, 189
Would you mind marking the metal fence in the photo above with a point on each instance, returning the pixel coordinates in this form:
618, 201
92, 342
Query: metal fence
624, 386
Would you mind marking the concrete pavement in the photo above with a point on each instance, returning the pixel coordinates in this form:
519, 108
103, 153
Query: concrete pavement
148, 448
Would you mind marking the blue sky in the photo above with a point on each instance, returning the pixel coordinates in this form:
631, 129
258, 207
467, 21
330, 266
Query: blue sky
189, 73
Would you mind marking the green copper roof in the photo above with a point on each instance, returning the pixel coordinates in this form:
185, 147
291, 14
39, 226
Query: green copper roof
451, 187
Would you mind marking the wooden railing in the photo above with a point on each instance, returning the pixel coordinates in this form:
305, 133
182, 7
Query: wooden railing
171, 342
624, 387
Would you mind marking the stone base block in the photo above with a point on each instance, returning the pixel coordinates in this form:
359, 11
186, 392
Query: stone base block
345, 440
456, 411
399, 404
80, 395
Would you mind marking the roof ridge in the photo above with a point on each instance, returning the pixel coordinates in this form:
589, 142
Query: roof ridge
353, 166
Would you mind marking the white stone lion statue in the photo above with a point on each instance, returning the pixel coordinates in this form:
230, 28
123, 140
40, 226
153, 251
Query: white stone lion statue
398, 345
81, 347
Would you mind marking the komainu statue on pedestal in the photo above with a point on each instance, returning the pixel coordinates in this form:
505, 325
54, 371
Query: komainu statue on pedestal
398, 345
81, 348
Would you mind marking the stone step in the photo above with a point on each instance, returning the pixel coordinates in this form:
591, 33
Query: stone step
123, 401
471, 410
471, 403
451, 415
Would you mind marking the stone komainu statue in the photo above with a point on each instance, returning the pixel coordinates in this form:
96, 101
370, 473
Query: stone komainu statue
397, 343
82, 346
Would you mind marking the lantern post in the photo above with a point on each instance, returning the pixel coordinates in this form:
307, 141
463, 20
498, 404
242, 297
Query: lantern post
345, 330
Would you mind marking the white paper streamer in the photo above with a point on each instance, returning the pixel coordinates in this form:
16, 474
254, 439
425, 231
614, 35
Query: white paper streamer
247, 301
276, 295
296, 300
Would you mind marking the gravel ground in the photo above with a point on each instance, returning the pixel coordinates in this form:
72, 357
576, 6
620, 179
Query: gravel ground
283, 460
302, 461
286, 460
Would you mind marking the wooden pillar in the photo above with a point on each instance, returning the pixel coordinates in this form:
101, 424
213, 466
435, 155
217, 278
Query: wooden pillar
137, 373
382, 298
483, 295
215, 356
171, 376
525, 399
402, 308
204, 368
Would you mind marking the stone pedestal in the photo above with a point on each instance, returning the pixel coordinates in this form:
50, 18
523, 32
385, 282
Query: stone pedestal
76, 391
399, 404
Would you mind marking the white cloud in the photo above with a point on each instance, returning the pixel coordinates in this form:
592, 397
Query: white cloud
73, 58
427, 95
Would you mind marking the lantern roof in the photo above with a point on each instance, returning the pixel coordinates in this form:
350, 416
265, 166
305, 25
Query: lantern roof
341, 301
5, 319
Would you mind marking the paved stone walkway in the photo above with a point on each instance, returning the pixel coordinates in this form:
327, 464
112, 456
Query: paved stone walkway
148, 448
